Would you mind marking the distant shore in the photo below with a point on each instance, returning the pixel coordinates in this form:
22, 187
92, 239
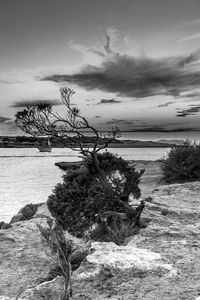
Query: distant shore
123, 144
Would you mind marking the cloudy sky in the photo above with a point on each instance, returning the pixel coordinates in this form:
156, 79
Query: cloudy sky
132, 63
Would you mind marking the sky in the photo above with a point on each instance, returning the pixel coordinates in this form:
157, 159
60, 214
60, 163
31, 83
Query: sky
134, 64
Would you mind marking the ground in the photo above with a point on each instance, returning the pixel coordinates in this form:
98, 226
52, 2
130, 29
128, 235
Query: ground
172, 232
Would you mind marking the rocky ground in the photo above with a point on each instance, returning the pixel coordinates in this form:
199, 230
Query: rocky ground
161, 262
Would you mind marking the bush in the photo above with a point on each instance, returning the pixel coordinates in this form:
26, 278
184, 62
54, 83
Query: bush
117, 233
81, 201
182, 163
29, 210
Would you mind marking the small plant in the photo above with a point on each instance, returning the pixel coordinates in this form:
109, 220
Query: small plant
29, 210
115, 234
55, 239
182, 163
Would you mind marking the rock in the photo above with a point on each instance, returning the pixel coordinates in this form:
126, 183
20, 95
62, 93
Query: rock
161, 262
17, 218
51, 290
64, 165
122, 258
4, 225
42, 212
25, 260
175, 236
26, 213
7, 298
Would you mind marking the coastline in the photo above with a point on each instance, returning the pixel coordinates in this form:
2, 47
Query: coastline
118, 144
160, 256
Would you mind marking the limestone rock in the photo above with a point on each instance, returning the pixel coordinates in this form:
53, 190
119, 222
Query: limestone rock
51, 290
175, 235
42, 211
25, 261
26, 213
161, 262
122, 258
17, 218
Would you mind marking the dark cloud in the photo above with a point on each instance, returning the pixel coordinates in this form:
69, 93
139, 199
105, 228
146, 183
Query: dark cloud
138, 77
156, 128
25, 103
191, 95
105, 101
194, 109
121, 122
165, 104
4, 119
149, 129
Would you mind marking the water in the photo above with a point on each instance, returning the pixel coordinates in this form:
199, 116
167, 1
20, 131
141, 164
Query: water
28, 176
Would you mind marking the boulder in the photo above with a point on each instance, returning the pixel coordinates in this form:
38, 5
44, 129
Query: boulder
51, 290
25, 261
4, 225
42, 211
122, 258
26, 213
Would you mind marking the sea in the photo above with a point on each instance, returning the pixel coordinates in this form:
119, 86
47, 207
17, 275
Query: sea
29, 176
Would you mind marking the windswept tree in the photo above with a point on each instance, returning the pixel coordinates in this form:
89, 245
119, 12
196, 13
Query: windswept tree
98, 191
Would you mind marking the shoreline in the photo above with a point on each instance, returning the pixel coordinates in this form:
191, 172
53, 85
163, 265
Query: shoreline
121, 144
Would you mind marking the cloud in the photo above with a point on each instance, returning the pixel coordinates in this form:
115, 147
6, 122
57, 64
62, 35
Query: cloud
156, 128
190, 23
121, 122
111, 36
191, 95
112, 101
191, 37
194, 109
78, 47
165, 104
97, 117
4, 119
137, 77
25, 103
9, 81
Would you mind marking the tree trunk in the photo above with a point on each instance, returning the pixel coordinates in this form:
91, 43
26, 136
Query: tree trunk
101, 175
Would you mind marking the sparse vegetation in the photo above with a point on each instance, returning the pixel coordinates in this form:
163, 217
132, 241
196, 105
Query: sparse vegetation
116, 233
29, 210
182, 163
62, 249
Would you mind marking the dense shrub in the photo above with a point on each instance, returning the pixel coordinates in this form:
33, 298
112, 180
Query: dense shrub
182, 163
81, 200
29, 210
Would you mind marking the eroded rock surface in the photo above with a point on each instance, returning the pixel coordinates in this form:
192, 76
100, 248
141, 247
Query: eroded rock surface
161, 262
25, 262
116, 258
173, 232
